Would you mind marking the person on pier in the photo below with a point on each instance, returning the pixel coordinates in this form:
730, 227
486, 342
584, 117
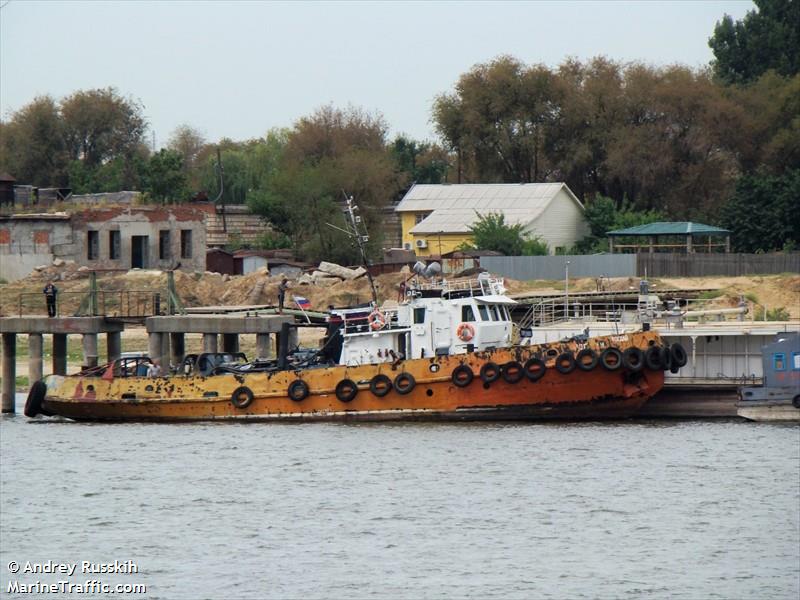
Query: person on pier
50, 293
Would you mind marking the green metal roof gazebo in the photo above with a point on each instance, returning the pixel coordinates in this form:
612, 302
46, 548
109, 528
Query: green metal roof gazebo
674, 229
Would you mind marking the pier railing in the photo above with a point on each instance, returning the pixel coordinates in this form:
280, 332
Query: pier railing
117, 303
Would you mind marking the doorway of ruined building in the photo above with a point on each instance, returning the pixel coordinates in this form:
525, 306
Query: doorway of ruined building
139, 245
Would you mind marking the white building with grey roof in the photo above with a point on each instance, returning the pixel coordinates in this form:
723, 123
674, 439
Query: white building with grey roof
436, 219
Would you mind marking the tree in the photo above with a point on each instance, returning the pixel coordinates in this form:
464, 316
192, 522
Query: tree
767, 38
189, 143
32, 144
762, 214
499, 118
491, 232
326, 154
422, 161
100, 125
164, 178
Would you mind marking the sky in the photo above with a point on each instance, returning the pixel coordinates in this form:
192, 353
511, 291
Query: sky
238, 69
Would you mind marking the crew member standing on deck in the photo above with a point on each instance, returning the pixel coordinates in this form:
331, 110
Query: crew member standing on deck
50, 293
282, 287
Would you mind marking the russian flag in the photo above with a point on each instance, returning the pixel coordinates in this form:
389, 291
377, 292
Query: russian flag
302, 302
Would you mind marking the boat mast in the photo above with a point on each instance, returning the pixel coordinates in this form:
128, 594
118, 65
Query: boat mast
358, 231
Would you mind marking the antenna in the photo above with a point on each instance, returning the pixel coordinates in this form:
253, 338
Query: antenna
356, 229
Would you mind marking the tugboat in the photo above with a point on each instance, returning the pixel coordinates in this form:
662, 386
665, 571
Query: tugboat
446, 351
779, 398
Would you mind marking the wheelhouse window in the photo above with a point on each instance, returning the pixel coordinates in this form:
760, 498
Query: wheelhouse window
495, 313
114, 245
467, 314
92, 245
419, 315
484, 312
163, 244
186, 243
779, 361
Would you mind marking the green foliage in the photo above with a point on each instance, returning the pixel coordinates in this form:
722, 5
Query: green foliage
710, 294
164, 178
273, 240
491, 232
767, 38
534, 246
603, 216
422, 161
777, 314
762, 214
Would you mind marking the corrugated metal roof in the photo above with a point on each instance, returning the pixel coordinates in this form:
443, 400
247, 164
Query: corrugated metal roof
670, 228
453, 207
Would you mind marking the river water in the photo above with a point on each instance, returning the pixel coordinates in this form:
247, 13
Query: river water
664, 509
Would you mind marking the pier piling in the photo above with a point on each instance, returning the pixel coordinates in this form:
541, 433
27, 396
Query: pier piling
9, 368
35, 360
89, 343
59, 354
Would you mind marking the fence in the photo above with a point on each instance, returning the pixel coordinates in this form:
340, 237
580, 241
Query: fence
554, 267
703, 265
633, 265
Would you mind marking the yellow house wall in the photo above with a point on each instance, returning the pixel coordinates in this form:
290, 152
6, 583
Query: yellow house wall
449, 241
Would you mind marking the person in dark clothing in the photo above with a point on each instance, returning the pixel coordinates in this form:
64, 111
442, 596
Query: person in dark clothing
50, 293
282, 287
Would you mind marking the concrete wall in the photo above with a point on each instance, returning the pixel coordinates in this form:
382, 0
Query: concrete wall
28, 243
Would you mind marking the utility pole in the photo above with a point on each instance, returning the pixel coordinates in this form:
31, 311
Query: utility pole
566, 290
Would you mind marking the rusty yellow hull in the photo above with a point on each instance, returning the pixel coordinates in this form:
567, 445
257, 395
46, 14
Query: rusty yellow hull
595, 394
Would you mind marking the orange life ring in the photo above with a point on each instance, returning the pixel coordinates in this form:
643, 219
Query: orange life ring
376, 320
465, 332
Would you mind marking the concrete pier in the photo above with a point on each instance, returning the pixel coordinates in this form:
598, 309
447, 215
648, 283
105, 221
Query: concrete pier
154, 346
59, 328
211, 326
210, 342
89, 343
263, 345
9, 372
59, 354
35, 357
177, 348
113, 345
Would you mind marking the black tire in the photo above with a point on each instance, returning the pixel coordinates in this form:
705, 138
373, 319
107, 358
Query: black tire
535, 368
404, 383
611, 359
796, 401
666, 358
490, 372
633, 359
462, 376
346, 390
583, 363
242, 397
298, 390
380, 385
652, 358
565, 363
679, 356
33, 404
512, 372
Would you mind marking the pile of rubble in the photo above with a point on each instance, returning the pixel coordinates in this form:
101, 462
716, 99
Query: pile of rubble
59, 270
328, 274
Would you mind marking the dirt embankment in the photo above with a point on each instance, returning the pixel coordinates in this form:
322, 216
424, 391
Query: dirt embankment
212, 289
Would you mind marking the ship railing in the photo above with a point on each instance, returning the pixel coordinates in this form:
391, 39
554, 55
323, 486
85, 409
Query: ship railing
361, 322
475, 287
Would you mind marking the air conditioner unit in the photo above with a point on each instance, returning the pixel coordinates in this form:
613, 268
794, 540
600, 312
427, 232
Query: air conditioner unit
407, 246
422, 243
